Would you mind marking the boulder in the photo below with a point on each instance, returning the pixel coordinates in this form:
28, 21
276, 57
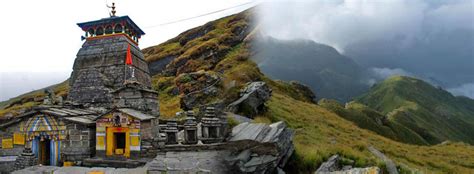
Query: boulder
331, 165
367, 170
252, 99
260, 148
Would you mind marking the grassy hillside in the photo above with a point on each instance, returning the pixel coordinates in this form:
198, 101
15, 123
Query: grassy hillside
432, 113
375, 121
320, 132
28, 100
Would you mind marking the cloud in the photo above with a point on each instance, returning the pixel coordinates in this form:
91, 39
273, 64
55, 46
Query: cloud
432, 39
383, 73
464, 90
345, 22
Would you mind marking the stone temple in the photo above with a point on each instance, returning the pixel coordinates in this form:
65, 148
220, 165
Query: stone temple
99, 69
111, 119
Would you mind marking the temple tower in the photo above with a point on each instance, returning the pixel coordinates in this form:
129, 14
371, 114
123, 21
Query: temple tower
109, 57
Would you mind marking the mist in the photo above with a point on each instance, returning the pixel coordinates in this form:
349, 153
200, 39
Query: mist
13, 84
431, 40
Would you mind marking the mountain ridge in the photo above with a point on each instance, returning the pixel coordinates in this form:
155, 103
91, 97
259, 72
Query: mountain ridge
423, 108
320, 66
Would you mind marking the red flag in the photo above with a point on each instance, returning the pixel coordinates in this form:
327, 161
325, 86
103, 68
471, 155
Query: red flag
128, 59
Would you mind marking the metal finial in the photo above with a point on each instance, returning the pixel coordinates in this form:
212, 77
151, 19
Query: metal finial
113, 9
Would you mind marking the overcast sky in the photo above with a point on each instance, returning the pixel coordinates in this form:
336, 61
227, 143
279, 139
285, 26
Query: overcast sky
40, 39
428, 39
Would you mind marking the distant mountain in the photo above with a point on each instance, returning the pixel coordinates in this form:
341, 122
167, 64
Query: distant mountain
326, 71
432, 113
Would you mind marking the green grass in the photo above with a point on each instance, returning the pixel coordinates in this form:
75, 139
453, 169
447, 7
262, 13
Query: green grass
432, 113
370, 119
321, 133
197, 48
169, 103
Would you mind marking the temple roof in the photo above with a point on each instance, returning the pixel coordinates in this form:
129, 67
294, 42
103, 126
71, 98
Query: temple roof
82, 116
110, 20
137, 114
131, 112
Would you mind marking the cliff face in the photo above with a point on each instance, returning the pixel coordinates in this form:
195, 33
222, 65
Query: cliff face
100, 68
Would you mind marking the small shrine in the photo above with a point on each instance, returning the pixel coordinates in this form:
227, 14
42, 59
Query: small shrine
120, 131
171, 132
212, 127
190, 129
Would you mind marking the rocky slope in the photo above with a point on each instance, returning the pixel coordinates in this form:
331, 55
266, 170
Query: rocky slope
211, 65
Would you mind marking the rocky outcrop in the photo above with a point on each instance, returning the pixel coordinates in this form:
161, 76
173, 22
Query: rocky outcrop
158, 66
197, 88
260, 148
252, 99
304, 90
391, 167
333, 166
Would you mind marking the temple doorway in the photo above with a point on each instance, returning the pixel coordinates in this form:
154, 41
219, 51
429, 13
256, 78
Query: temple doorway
119, 143
45, 152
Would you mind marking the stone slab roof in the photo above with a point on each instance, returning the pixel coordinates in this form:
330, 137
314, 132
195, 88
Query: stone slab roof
78, 115
132, 112
82, 119
136, 114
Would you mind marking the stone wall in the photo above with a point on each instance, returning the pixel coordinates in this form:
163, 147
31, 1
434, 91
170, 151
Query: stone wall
135, 96
80, 142
7, 164
100, 68
8, 133
147, 150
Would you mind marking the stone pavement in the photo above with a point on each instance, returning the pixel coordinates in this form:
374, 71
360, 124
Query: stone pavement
78, 170
169, 162
189, 162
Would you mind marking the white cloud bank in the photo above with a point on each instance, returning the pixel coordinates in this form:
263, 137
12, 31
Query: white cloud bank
464, 90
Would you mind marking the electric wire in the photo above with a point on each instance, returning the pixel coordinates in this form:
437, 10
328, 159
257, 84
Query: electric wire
198, 16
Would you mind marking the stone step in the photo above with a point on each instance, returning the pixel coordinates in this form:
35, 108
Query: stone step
99, 162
